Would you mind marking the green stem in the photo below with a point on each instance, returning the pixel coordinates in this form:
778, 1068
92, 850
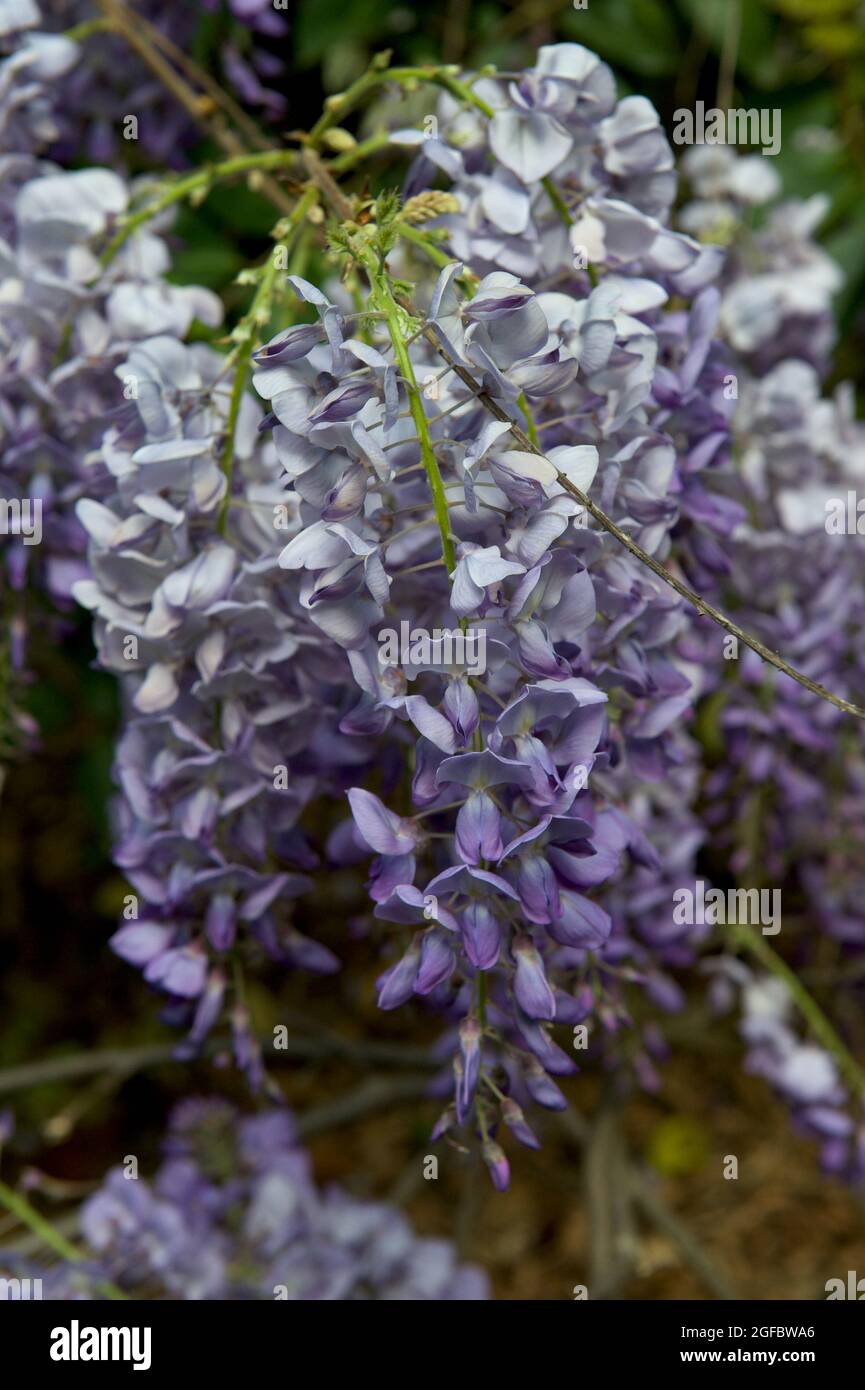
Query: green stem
18, 1205
557, 201
424, 242
86, 28
820, 1026
29, 1216
482, 1119
192, 183
531, 427
497, 1092
238, 387
564, 212
339, 106
350, 158
463, 92
394, 318
246, 334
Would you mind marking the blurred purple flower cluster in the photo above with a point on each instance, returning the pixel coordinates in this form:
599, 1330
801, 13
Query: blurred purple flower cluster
233, 1212
785, 803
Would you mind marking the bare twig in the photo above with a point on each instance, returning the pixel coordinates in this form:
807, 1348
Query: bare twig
331, 190
656, 1210
199, 105
202, 78
607, 1202
375, 1094
58, 1128
124, 1061
653, 1206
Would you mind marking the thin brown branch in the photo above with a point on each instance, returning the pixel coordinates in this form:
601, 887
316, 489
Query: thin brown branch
124, 1061
645, 1196
199, 76
375, 1094
328, 186
200, 106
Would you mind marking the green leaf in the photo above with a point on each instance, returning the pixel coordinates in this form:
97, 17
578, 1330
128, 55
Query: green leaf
711, 19
236, 207
213, 265
811, 159
707, 724
322, 25
806, 10
847, 247
835, 40
678, 1144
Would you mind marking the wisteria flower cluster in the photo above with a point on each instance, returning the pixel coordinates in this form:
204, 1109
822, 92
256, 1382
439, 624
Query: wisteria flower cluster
521, 416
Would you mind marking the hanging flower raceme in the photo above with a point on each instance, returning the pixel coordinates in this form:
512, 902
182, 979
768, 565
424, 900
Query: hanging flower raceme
495, 859
231, 707
778, 282
803, 1073
66, 321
